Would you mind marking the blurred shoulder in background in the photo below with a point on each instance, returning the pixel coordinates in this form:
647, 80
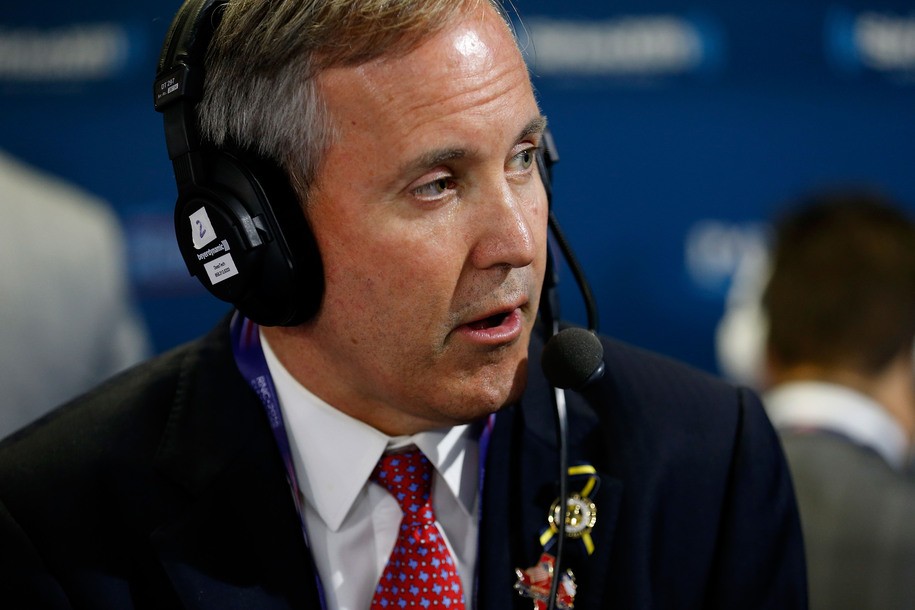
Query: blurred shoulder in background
67, 321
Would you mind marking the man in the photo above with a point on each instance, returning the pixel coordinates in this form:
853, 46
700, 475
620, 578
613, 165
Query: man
65, 294
840, 305
412, 147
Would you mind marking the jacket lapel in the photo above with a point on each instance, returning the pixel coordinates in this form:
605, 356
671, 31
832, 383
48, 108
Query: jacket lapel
522, 482
237, 540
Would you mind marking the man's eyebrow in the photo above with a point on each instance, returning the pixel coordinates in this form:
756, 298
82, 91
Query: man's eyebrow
434, 158
437, 157
536, 126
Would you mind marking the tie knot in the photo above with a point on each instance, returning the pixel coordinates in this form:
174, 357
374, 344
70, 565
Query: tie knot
408, 477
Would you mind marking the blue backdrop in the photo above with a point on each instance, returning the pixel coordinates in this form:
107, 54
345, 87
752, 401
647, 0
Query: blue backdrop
681, 126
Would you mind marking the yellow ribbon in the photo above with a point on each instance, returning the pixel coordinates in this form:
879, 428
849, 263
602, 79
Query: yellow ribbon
590, 484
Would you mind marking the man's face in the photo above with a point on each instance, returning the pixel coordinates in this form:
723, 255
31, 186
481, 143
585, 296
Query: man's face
431, 221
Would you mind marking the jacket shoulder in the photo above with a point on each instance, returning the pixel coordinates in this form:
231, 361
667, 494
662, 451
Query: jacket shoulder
645, 378
653, 405
122, 419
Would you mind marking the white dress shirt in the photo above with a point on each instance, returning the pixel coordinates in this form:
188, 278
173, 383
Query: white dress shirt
351, 522
839, 409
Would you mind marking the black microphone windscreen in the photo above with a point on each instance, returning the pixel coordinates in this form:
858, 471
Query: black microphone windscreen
572, 358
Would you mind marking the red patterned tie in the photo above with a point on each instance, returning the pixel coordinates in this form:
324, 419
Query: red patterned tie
420, 572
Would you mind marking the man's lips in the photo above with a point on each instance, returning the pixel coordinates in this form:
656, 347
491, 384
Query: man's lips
498, 327
489, 322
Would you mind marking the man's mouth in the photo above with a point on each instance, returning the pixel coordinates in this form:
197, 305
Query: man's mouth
497, 329
491, 322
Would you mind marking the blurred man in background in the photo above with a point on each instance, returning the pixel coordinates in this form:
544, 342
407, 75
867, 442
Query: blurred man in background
66, 318
837, 326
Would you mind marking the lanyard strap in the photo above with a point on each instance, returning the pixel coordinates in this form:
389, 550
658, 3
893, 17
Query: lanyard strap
485, 436
249, 357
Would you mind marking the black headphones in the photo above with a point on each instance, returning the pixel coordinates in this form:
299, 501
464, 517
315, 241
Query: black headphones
240, 227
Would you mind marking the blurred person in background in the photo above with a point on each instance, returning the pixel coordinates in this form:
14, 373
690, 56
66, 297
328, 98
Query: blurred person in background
66, 320
834, 314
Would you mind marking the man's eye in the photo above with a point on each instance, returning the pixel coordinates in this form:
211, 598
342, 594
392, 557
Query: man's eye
525, 159
434, 189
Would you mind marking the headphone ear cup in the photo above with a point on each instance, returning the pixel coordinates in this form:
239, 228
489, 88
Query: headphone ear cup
232, 231
239, 224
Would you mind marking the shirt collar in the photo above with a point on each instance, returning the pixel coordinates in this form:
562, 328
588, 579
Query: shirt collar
814, 404
317, 431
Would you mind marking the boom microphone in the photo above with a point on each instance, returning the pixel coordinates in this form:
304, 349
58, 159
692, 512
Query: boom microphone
573, 358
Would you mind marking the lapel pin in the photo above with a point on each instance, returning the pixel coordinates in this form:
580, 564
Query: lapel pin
581, 511
581, 515
535, 582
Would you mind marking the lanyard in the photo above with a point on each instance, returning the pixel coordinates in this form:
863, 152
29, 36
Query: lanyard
485, 436
249, 357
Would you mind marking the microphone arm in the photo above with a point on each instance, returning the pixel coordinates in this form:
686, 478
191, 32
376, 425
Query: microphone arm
559, 397
547, 156
577, 272
549, 312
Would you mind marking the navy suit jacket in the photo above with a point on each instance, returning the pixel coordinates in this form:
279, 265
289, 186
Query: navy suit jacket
164, 489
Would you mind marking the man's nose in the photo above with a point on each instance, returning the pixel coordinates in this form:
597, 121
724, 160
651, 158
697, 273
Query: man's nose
504, 223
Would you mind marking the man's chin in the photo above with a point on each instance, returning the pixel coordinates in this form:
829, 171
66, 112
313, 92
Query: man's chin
507, 388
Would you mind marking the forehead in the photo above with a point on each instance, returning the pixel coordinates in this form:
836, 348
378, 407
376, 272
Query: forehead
471, 67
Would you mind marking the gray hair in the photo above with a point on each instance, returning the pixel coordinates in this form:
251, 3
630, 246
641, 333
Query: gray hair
260, 90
